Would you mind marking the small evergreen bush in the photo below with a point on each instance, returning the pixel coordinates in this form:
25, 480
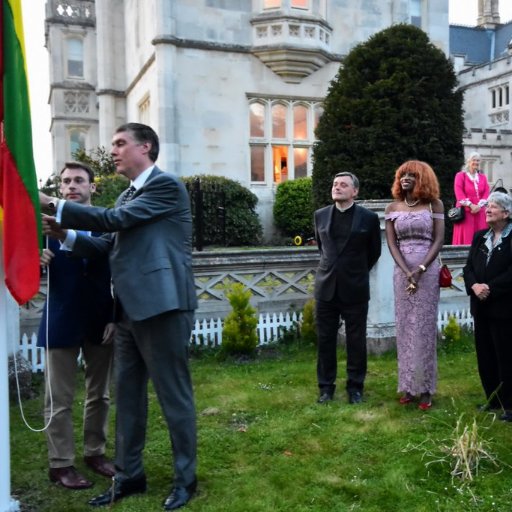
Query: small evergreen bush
239, 336
222, 196
308, 325
293, 208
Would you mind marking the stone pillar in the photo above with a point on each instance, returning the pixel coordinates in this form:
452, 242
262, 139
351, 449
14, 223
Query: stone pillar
381, 317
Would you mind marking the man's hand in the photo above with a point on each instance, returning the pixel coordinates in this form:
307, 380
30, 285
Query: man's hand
46, 257
481, 290
52, 228
108, 333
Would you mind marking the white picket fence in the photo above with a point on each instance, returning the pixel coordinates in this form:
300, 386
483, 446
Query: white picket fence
208, 332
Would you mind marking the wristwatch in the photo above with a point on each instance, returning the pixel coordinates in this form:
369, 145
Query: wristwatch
52, 205
422, 268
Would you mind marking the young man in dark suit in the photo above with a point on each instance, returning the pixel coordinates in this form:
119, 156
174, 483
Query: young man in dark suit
349, 241
77, 318
150, 250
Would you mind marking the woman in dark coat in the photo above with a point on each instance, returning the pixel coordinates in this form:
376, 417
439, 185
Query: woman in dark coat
488, 279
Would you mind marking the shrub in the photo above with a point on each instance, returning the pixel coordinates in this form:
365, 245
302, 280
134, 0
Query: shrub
229, 211
293, 208
308, 326
239, 336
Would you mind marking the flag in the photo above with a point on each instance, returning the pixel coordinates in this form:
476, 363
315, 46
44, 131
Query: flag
20, 220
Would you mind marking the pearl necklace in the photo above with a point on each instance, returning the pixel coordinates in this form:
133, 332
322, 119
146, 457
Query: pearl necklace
411, 205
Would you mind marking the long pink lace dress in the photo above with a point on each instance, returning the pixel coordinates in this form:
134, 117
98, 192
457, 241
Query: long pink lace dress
416, 314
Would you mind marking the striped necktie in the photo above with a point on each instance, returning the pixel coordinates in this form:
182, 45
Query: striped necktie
128, 194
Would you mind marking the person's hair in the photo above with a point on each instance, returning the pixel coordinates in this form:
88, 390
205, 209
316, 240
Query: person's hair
503, 201
81, 166
143, 133
353, 177
501, 189
471, 156
426, 186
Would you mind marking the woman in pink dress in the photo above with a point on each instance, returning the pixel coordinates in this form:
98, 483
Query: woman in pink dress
471, 191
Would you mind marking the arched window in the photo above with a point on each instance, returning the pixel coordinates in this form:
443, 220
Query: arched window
300, 122
257, 119
278, 121
75, 57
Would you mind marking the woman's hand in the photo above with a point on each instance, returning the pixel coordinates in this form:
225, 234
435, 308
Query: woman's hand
474, 208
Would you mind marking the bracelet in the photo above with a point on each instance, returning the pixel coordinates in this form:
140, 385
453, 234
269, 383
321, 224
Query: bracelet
422, 268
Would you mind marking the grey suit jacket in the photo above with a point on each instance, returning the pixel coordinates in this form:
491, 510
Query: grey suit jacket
149, 241
344, 268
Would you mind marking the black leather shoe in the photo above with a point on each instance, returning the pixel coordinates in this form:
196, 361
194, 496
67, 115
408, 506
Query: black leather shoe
355, 397
324, 398
506, 416
119, 490
180, 496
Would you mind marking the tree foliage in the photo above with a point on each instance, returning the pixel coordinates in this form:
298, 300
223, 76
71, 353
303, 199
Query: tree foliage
293, 208
394, 99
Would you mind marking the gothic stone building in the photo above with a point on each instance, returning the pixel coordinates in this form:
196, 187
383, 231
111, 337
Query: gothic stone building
235, 87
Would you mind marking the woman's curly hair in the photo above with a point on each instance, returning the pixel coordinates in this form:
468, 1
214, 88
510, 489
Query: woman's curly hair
426, 187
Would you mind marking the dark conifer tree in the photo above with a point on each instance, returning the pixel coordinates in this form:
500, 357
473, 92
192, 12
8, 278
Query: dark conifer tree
394, 99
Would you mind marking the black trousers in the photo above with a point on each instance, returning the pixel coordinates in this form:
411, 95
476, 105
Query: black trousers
494, 357
328, 314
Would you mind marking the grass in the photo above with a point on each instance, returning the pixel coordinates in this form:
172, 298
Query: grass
265, 445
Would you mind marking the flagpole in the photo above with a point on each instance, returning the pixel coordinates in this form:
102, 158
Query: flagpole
7, 504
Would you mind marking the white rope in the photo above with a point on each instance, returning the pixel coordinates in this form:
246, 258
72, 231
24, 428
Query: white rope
47, 369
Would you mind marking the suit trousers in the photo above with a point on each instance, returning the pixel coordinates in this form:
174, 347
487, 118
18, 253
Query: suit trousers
60, 376
494, 357
328, 315
155, 348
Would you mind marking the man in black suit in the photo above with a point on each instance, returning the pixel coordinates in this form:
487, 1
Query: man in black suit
150, 251
348, 238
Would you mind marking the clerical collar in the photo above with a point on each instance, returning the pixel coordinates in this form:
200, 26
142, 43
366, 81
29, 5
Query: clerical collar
343, 210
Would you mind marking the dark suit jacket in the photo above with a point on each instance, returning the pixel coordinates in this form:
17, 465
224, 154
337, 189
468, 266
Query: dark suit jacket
344, 267
150, 246
497, 274
80, 300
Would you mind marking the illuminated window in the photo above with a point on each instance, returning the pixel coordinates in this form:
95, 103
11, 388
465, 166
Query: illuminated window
300, 4
281, 138
300, 122
271, 4
279, 121
75, 58
257, 163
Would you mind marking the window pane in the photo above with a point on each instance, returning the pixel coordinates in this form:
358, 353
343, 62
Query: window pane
415, 9
300, 156
75, 57
271, 4
257, 120
300, 122
280, 163
278, 122
300, 4
76, 142
257, 163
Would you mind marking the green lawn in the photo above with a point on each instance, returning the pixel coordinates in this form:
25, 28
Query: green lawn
265, 445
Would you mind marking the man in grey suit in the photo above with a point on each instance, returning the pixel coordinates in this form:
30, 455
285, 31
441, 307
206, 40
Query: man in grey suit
149, 242
348, 238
